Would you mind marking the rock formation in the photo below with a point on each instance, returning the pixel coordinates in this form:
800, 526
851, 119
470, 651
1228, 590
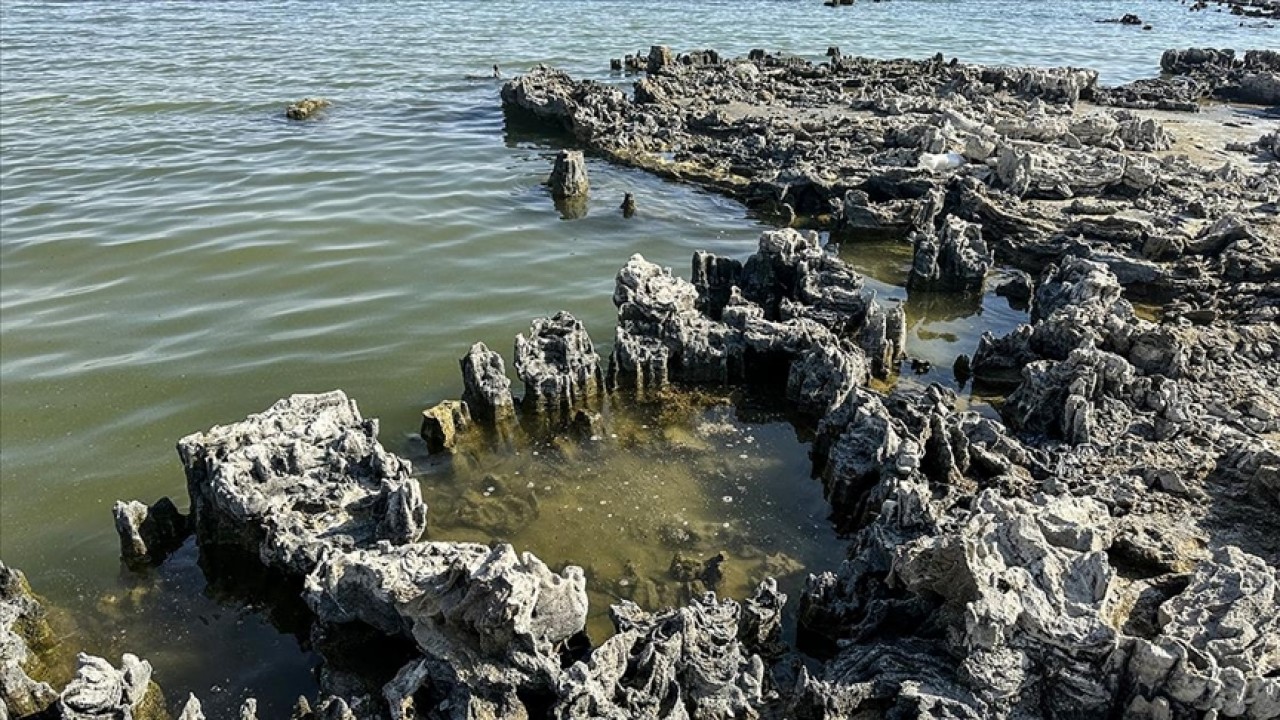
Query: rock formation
305, 478
559, 367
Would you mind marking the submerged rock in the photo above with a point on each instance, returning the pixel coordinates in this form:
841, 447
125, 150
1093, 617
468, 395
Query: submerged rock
305, 478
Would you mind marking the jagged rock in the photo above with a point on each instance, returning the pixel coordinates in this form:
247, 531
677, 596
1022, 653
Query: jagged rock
1075, 283
1219, 642
760, 626
954, 258
149, 534
1079, 399
249, 709
486, 390
304, 478
99, 690
569, 175
660, 59
714, 277
686, 662
559, 367
494, 617
823, 375
24, 632
442, 423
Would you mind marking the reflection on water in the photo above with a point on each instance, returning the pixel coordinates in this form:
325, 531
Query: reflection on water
645, 505
940, 325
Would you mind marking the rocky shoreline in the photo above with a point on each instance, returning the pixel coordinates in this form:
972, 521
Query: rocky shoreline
1108, 548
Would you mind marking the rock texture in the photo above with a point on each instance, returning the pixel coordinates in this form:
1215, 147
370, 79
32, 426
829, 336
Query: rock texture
1107, 547
24, 633
486, 388
304, 478
685, 663
493, 617
559, 367
99, 690
569, 175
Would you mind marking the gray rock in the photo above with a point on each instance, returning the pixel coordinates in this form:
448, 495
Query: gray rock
99, 690
559, 367
24, 630
685, 663
821, 377
305, 478
493, 616
953, 258
569, 175
486, 390
1219, 644
149, 534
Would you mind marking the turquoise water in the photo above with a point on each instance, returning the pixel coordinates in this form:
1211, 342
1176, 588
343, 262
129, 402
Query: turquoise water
174, 254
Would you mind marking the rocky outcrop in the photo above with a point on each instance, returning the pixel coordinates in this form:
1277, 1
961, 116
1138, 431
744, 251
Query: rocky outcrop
305, 478
493, 617
486, 390
687, 662
559, 367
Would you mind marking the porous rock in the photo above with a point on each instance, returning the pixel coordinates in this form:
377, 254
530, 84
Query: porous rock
486, 390
559, 367
686, 663
304, 478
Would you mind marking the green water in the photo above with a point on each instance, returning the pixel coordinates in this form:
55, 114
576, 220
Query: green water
174, 255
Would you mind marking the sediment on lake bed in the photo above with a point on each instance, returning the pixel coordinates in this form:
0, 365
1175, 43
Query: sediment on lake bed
1108, 548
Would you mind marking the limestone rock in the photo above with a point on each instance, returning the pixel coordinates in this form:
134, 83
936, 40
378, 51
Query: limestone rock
569, 175
559, 367
101, 691
23, 630
302, 479
486, 390
686, 663
954, 258
492, 615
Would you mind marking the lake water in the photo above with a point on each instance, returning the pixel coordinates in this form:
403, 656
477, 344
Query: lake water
174, 255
